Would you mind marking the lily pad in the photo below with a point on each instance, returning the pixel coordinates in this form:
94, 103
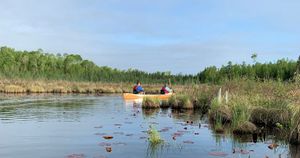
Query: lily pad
188, 142
108, 137
217, 153
108, 149
76, 156
177, 134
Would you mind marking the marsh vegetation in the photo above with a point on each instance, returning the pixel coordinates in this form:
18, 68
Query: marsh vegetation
242, 98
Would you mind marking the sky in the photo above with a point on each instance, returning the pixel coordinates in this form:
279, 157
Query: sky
181, 36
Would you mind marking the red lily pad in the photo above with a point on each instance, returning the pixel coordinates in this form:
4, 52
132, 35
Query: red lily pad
177, 134
108, 149
217, 153
108, 137
164, 130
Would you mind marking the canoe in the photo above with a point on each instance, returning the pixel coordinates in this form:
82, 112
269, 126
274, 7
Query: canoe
130, 96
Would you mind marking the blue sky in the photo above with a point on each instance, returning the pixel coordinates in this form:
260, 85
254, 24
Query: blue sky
155, 35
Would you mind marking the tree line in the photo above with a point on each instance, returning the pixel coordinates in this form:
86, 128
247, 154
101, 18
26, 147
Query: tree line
282, 70
40, 65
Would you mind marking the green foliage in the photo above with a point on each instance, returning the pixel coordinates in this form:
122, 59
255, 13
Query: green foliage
40, 65
282, 70
154, 136
202, 102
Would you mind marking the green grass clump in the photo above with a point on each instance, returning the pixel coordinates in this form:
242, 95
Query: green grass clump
219, 112
294, 137
184, 102
202, 102
181, 101
218, 125
270, 117
150, 103
154, 136
241, 110
173, 102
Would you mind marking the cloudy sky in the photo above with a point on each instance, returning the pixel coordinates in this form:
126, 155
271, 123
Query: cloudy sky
155, 35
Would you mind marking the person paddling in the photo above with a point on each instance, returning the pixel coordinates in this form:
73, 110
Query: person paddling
138, 89
165, 89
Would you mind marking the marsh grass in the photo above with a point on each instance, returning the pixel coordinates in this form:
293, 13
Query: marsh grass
154, 136
150, 103
164, 104
202, 102
156, 144
181, 101
63, 86
218, 125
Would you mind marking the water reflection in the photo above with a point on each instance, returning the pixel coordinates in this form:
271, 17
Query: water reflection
42, 107
63, 125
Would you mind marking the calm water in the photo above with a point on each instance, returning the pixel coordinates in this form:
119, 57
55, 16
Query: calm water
54, 126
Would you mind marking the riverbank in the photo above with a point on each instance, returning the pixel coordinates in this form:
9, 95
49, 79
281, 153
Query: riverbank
244, 106
62, 86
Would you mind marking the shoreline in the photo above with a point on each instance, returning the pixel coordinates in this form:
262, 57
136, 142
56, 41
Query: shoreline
62, 86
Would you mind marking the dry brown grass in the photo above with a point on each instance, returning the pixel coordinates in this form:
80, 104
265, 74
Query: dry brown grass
60, 86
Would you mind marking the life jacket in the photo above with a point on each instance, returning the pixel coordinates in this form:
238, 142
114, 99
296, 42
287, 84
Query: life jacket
135, 89
164, 90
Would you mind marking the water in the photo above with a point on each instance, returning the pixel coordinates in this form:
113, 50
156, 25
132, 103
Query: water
58, 126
